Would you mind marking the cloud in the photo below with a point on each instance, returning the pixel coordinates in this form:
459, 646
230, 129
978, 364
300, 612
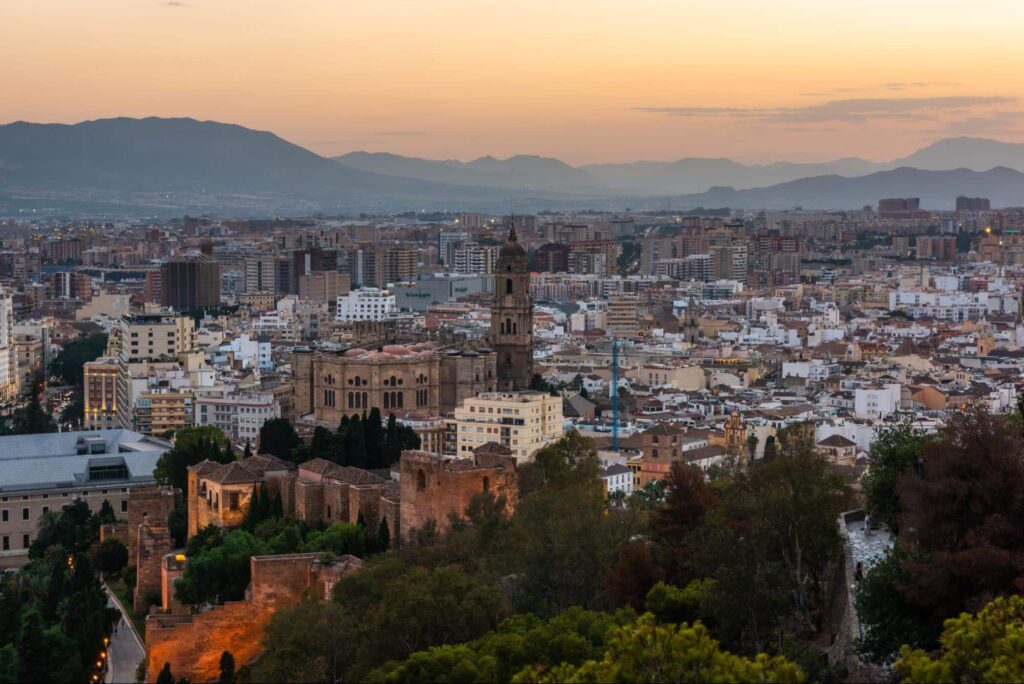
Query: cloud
1009, 122
175, 3
900, 85
401, 134
850, 110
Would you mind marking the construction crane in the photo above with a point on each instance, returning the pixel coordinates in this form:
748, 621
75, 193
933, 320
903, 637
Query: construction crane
615, 394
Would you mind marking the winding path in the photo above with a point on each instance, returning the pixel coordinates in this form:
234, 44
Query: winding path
126, 649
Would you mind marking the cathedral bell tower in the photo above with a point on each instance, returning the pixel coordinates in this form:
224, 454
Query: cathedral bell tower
512, 317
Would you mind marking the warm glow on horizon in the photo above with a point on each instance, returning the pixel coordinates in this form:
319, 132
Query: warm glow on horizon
584, 81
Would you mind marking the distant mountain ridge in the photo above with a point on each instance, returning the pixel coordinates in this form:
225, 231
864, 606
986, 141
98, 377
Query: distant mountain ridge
683, 176
160, 166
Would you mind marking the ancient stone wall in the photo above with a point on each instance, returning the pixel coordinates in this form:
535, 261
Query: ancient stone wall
148, 504
193, 644
432, 488
154, 542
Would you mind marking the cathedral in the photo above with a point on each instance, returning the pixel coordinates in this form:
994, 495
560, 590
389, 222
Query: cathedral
512, 317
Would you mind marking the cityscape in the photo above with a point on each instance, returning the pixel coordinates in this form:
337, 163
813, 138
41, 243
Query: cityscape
351, 364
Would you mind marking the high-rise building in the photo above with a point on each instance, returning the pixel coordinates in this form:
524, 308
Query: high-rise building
8, 353
622, 319
192, 282
970, 204
475, 258
447, 241
512, 316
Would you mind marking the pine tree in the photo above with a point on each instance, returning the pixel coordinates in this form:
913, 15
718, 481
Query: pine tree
248, 450
277, 510
383, 535
227, 668
165, 676
374, 434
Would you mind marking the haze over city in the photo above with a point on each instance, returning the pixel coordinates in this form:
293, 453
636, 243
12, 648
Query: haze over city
583, 81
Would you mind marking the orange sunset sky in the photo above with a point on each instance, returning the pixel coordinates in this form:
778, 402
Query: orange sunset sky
584, 81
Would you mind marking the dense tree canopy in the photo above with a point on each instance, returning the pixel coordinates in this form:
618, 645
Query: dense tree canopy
987, 648
192, 446
895, 452
55, 613
69, 362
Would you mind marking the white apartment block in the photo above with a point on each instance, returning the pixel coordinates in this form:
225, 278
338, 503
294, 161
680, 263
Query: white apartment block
366, 304
524, 422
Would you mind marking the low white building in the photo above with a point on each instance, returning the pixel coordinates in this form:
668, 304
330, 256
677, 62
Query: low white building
366, 304
617, 478
876, 400
238, 415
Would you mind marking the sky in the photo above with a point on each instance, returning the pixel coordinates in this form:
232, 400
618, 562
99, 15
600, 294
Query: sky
582, 80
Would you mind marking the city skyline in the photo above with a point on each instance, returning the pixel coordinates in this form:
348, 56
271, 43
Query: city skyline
583, 82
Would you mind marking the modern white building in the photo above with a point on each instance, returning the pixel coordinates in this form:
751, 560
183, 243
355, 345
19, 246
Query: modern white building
366, 304
877, 400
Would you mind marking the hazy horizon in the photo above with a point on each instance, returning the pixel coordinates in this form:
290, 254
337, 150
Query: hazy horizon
584, 82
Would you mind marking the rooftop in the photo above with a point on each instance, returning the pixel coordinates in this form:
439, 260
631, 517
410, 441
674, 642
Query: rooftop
76, 459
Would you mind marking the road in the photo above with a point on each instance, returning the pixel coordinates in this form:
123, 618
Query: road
125, 650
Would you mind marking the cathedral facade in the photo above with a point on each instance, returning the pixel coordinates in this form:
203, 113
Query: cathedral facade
512, 317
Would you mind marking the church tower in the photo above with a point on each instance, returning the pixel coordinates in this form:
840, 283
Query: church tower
512, 316
691, 323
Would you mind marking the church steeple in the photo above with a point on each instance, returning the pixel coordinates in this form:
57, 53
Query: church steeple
512, 315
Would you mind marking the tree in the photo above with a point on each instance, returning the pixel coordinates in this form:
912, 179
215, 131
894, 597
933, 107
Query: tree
110, 556
165, 676
278, 437
248, 450
69, 362
191, 446
648, 652
975, 648
227, 668
383, 535
771, 448
895, 452
633, 576
106, 514
221, 573
963, 519
30, 419
888, 619
572, 636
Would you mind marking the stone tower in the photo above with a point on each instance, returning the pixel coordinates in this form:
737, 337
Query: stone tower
512, 317
691, 323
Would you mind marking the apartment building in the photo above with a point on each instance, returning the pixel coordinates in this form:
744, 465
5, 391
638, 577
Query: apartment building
523, 422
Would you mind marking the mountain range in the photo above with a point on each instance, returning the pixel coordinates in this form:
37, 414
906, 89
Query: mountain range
160, 166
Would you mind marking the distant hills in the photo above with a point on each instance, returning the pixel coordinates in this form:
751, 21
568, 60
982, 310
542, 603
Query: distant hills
170, 166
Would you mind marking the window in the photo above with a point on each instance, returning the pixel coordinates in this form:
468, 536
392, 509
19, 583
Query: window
7, 543
25, 542
421, 481
24, 514
508, 284
5, 515
233, 500
124, 506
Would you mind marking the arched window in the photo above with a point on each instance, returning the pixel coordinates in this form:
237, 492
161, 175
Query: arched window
515, 328
400, 402
365, 400
328, 512
508, 325
387, 400
421, 481
351, 400
508, 284
487, 484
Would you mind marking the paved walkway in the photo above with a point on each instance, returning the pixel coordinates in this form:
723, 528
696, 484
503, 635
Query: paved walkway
125, 650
